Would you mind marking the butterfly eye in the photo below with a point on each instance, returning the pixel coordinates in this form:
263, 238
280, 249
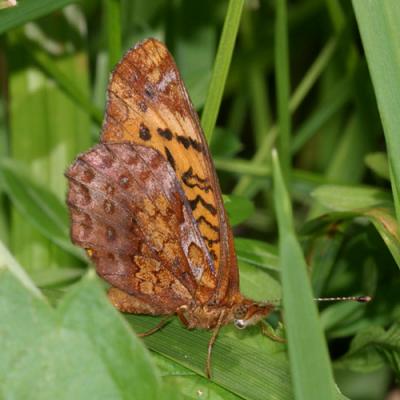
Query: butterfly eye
240, 312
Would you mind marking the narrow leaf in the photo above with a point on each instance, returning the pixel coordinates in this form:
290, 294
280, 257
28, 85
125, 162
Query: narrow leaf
283, 85
221, 67
307, 347
351, 198
113, 25
27, 11
7, 261
379, 26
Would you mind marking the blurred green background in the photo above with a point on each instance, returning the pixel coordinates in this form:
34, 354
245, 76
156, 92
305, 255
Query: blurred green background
317, 79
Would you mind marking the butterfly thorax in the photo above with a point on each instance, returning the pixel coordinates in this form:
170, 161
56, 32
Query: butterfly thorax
243, 312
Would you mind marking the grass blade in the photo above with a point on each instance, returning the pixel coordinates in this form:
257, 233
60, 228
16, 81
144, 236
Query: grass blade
378, 23
307, 347
351, 198
9, 262
221, 67
245, 367
28, 10
283, 86
113, 24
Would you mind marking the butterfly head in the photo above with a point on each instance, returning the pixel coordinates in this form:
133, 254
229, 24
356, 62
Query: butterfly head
249, 312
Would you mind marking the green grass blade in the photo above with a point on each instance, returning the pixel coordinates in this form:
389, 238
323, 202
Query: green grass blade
308, 354
379, 26
113, 28
243, 167
313, 73
351, 198
221, 67
4, 220
7, 261
28, 10
387, 227
282, 75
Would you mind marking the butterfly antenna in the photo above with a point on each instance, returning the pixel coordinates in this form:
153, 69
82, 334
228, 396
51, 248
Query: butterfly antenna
358, 299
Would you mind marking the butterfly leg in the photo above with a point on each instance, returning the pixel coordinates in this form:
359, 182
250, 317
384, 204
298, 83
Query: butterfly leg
160, 325
266, 332
212, 341
180, 312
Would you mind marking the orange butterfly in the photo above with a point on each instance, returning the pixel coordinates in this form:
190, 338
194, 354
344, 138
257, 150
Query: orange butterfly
147, 207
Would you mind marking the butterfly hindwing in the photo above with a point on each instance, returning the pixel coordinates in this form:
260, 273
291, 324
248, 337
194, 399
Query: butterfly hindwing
129, 210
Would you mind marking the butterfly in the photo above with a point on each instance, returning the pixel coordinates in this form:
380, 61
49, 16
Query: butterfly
146, 204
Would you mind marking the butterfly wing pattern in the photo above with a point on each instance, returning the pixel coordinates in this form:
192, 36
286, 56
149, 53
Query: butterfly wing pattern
149, 105
146, 203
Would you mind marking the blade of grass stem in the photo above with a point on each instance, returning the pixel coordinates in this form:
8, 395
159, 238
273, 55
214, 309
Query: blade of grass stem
307, 347
27, 11
7, 261
221, 67
313, 73
379, 28
112, 10
282, 83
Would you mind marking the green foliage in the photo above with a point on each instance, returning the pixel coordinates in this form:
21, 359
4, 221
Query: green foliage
338, 226
65, 353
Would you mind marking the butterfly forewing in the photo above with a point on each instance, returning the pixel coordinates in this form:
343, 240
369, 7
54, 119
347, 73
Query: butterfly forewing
148, 105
